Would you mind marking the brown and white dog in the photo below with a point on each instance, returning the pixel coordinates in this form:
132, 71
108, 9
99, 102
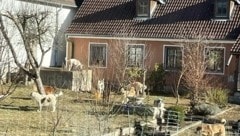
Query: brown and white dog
46, 100
212, 129
47, 89
73, 64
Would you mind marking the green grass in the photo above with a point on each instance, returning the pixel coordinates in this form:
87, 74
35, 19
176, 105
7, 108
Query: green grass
76, 113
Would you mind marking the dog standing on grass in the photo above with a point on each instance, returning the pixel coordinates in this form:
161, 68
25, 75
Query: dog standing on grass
212, 129
46, 100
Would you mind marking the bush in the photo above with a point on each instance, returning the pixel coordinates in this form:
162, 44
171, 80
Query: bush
205, 109
218, 96
180, 110
156, 79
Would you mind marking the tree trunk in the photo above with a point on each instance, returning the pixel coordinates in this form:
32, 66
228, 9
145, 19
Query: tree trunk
38, 81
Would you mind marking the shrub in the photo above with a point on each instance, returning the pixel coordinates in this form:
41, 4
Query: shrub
178, 109
156, 79
218, 96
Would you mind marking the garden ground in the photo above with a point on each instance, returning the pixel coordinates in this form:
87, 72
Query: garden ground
77, 114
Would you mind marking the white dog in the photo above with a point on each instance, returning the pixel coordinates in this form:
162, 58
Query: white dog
100, 86
158, 112
46, 100
73, 63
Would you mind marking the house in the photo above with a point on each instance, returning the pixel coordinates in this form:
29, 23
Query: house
151, 31
62, 12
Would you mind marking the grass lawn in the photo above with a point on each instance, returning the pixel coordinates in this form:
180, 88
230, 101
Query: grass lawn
77, 114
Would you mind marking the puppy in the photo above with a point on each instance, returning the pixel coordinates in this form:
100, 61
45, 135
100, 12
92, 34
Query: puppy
46, 100
212, 129
73, 63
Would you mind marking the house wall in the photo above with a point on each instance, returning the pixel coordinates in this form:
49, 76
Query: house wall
155, 54
60, 18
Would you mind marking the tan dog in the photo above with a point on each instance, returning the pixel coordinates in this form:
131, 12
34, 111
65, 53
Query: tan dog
139, 87
212, 129
128, 93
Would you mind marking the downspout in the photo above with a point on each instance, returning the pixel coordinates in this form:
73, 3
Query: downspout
56, 35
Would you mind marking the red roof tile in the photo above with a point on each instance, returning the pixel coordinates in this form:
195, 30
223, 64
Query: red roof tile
176, 18
236, 47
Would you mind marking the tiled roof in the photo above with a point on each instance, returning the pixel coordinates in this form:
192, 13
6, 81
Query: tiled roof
174, 19
236, 47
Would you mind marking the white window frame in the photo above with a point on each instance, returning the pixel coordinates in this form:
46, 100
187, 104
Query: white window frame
165, 57
224, 58
143, 54
89, 54
220, 4
145, 7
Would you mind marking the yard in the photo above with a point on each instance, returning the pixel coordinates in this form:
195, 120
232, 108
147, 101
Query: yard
77, 114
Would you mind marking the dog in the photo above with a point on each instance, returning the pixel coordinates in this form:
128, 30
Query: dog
212, 129
128, 93
158, 112
139, 87
73, 64
47, 89
100, 86
46, 100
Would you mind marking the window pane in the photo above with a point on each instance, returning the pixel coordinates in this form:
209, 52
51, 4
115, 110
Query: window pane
221, 8
98, 55
142, 8
135, 56
215, 60
173, 58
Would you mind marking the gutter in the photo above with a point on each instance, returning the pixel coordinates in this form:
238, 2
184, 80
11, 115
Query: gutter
48, 3
144, 39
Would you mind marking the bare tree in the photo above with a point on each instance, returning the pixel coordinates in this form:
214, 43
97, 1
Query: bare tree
194, 64
34, 28
3, 59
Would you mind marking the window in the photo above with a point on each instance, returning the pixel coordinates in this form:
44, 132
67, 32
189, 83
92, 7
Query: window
221, 8
173, 57
143, 8
135, 55
98, 54
214, 60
